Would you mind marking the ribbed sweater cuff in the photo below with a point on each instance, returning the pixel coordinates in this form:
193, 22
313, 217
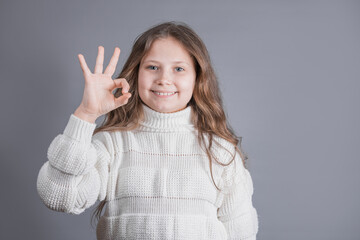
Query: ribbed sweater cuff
79, 129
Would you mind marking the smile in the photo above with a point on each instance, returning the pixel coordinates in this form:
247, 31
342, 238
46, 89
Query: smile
164, 94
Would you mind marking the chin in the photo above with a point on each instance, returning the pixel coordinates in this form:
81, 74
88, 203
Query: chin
164, 109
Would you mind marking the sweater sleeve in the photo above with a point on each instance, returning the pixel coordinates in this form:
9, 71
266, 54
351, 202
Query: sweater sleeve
77, 170
237, 212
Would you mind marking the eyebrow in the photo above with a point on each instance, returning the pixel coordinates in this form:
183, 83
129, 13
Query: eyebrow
176, 62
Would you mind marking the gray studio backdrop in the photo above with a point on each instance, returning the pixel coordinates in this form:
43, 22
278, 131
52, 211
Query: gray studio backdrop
289, 74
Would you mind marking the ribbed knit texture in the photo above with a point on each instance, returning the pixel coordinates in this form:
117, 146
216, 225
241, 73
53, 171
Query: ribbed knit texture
156, 181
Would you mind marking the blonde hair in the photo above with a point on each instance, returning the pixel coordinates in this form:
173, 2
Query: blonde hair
208, 114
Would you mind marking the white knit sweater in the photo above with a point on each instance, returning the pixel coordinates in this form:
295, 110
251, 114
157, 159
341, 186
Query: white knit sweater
156, 181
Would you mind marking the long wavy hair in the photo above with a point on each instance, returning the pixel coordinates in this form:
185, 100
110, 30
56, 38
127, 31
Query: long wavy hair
208, 115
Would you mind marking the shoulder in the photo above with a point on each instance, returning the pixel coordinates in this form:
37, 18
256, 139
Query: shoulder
223, 149
102, 137
107, 140
115, 140
235, 172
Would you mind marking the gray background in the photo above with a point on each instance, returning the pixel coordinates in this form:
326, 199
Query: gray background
288, 71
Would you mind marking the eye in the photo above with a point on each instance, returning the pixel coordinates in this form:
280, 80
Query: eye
179, 69
151, 67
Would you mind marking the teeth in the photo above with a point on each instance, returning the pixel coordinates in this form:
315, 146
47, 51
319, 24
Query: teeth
167, 94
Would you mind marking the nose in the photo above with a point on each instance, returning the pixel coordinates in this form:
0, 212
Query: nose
164, 78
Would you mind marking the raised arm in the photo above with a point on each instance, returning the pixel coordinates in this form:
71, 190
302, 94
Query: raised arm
76, 173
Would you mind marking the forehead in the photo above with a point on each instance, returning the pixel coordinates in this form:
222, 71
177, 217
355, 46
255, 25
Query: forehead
167, 49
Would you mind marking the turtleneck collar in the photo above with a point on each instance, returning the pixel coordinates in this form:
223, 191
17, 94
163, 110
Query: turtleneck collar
166, 122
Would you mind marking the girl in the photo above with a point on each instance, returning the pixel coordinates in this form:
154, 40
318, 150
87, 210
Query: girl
165, 163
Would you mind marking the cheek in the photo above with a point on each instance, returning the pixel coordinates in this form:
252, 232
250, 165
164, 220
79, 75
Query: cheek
142, 81
189, 83
187, 87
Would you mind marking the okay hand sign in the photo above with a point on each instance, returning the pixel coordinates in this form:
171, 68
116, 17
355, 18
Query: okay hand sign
98, 98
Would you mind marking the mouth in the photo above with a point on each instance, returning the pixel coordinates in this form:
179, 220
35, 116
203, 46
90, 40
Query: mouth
164, 94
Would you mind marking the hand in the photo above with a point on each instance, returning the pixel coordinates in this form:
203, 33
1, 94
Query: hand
98, 98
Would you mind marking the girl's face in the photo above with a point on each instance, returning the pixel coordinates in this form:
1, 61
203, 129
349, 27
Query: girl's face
166, 76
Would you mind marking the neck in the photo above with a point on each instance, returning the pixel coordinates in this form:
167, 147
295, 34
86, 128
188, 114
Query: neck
177, 110
167, 122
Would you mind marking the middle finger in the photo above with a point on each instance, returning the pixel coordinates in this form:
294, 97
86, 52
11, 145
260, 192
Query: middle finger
110, 69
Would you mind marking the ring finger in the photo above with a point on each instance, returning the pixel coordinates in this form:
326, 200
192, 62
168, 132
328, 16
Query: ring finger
99, 60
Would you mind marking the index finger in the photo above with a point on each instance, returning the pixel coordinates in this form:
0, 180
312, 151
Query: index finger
122, 83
